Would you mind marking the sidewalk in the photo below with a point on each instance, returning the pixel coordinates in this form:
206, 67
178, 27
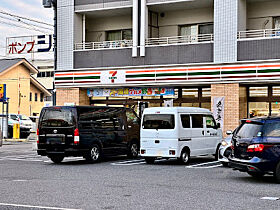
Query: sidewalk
31, 138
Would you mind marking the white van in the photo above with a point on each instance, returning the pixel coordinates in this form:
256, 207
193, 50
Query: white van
178, 132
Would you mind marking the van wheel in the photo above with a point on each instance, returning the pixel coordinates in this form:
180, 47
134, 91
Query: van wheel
56, 158
150, 160
185, 156
94, 154
255, 174
133, 150
217, 152
277, 173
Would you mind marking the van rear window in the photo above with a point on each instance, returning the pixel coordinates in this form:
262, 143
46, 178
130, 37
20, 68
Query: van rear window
158, 121
58, 117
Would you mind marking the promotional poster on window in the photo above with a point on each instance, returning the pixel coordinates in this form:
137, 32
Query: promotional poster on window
120, 92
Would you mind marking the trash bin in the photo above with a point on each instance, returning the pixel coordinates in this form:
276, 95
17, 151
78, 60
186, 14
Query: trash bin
16, 131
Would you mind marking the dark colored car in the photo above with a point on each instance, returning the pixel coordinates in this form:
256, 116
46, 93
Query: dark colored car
87, 131
256, 147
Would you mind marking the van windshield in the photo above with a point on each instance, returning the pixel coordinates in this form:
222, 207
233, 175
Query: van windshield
58, 117
158, 121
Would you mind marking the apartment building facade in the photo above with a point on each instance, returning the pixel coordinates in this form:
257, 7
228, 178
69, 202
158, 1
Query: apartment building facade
189, 52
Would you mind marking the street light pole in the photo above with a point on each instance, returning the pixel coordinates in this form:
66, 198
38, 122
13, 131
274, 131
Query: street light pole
49, 4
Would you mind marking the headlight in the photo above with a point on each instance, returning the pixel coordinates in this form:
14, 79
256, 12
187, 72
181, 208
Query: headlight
224, 143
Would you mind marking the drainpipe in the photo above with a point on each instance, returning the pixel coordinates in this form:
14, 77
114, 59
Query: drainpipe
84, 31
143, 27
134, 28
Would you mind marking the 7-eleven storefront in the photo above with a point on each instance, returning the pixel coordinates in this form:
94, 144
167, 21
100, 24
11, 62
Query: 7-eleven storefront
232, 92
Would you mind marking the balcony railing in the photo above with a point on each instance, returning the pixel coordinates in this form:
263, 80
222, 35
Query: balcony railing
252, 34
180, 39
103, 45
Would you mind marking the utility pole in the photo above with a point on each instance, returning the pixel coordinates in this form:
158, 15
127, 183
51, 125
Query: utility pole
53, 4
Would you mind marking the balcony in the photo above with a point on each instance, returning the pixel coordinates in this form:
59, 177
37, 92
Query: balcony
88, 5
258, 44
103, 45
175, 40
159, 51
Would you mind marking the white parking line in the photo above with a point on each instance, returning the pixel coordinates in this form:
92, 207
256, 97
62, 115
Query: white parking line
202, 165
37, 207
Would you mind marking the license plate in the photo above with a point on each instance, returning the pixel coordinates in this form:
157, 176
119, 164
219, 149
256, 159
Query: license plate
55, 140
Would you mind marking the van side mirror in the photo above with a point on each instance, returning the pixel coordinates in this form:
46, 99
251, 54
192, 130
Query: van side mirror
229, 132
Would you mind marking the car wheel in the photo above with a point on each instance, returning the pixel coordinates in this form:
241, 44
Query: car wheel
94, 155
217, 152
185, 156
133, 150
56, 158
277, 173
255, 174
150, 160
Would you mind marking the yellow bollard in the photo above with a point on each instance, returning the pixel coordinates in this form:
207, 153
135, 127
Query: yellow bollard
16, 131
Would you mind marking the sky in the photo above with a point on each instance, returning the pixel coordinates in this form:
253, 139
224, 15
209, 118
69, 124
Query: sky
32, 9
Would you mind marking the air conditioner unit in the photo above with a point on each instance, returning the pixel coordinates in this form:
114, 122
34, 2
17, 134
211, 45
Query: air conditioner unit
47, 3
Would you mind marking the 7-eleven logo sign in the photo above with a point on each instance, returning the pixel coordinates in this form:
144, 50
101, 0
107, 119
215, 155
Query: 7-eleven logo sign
113, 77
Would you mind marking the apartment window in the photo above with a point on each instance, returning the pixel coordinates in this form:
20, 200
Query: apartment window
196, 29
41, 97
119, 35
277, 22
30, 97
36, 97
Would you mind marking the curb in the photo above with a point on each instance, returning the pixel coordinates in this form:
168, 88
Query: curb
15, 140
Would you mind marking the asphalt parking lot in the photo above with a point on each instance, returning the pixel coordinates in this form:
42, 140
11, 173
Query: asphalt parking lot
29, 181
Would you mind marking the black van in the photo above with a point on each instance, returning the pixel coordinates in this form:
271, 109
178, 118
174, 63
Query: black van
87, 131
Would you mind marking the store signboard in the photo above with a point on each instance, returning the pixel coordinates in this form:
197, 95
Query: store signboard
112, 77
29, 44
218, 110
120, 92
3, 97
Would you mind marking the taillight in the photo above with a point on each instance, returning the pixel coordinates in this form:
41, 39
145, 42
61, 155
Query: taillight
76, 136
257, 147
37, 135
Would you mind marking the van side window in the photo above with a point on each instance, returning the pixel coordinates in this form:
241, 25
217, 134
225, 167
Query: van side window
197, 120
210, 122
185, 120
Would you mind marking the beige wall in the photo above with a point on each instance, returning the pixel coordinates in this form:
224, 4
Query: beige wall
72, 95
233, 110
96, 27
260, 14
78, 28
168, 25
35, 106
12, 78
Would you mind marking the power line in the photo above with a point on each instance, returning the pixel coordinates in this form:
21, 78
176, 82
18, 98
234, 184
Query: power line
17, 16
23, 22
11, 24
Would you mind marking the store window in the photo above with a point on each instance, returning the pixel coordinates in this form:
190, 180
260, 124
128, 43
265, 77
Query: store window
258, 91
258, 109
190, 93
276, 91
206, 92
